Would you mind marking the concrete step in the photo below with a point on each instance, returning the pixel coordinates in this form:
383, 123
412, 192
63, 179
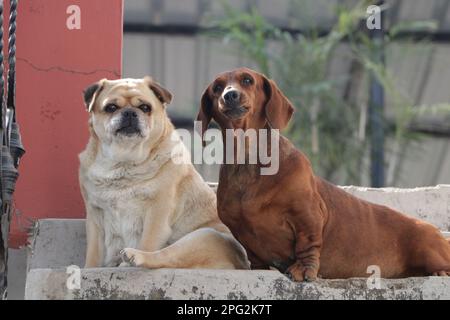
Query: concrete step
58, 243
431, 204
135, 283
61, 242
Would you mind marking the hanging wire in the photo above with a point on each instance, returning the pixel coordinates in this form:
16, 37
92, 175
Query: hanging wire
2, 79
14, 139
9, 170
3, 226
11, 149
12, 56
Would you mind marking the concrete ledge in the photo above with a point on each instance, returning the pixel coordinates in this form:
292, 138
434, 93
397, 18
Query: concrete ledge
431, 204
58, 243
62, 242
134, 283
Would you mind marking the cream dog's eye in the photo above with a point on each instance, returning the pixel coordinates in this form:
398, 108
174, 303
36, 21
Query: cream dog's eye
145, 108
110, 108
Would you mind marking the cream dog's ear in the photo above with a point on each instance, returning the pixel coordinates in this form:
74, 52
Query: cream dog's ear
161, 93
90, 94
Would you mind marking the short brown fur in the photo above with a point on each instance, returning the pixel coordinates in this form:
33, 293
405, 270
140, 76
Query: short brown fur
298, 222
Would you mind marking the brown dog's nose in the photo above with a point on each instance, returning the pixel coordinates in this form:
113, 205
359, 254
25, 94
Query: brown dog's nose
232, 97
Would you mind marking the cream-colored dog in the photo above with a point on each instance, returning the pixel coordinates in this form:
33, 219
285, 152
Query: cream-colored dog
144, 208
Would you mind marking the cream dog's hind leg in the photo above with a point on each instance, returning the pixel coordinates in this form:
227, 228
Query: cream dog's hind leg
94, 236
95, 247
202, 248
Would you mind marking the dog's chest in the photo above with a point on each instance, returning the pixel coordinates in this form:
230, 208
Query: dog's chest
257, 223
121, 205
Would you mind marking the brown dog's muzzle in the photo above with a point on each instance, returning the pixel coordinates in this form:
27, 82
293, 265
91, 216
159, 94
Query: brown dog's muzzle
230, 103
232, 97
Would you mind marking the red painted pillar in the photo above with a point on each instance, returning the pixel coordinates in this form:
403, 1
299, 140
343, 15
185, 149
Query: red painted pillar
55, 62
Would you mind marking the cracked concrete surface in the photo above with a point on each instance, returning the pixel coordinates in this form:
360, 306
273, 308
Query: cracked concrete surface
167, 284
114, 73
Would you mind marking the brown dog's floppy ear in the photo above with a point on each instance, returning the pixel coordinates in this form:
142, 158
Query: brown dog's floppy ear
205, 112
91, 93
278, 108
161, 93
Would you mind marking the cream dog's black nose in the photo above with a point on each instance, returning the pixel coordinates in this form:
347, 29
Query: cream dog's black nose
129, 114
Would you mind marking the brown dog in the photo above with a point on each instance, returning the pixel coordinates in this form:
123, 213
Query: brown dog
294, 220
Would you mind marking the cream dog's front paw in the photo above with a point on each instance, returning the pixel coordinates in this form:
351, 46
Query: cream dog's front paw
132, 256
124, 264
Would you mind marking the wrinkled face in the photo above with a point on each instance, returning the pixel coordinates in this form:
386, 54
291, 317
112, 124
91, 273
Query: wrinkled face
127, 110
238, 94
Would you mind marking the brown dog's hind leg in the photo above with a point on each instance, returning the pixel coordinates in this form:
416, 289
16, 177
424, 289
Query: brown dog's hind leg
441, 264
441, 274
435, 253
202, 248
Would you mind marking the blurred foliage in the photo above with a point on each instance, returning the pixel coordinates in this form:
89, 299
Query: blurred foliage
329, 126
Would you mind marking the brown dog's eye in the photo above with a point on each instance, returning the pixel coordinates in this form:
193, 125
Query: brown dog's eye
110, 108
217, 88
145, 108
247, 81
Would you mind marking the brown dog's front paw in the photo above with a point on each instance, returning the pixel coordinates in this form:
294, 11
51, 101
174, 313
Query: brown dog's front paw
298, 273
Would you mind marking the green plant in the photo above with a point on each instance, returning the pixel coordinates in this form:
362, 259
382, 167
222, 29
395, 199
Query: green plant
330, 127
